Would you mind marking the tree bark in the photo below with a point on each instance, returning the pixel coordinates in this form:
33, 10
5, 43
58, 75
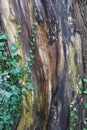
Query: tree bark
60, 58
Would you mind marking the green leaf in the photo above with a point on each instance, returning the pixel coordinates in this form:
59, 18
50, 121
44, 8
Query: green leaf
71, 104
15, 46
8, 94
35, 14
85, 122
3, 37
81, 88
18, 27
2, 44
31, 51
30, 87
35, 23
5, 73
32, 57
17, 57
35, 32
33, 48
23, 93
70, 128
1, 55
29, 71
28, 80
85, 92
85, 80
28, 60
6, 54
16, 35
31, 43
16, 70
72, 114
19, 115
74, 124
34, 40
84, 128
15, 90
30, 64
33, 35
75, 109
85, 105
11, 63
6, 85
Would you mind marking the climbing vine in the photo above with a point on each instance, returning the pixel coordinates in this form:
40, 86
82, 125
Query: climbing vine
32, 43
12, 83
74, 110
14, 78
73, 116
85, 105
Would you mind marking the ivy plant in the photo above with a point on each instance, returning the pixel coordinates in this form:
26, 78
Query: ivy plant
73, 113
12, 88
73, 116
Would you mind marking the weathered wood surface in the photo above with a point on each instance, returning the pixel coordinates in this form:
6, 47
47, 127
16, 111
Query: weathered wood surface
58, 66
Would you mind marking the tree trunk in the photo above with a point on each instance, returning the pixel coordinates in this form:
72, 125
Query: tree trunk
60, 58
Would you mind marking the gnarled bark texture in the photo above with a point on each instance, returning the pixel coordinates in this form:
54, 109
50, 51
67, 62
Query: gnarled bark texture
60, 57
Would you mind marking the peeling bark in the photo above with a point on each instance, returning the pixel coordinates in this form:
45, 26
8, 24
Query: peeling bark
60, 58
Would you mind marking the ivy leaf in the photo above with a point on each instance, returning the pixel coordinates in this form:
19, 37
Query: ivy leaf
31, 43
33, 40
85, 105
28, 80
85, 92
17, 57
23, 93
16, 70
30, 87
3, 37
16, 35
15, 90
33, 48
84, 128
8, 94
30, 64
5, 73
31, 51
1, 55
29, 71
2, 46
74, 124
32, 56
35, 14
15, 46
11, 63
71, 129
72, 114
28, 60
6, 85
85, 80
18, 27
36, 24
74, 109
